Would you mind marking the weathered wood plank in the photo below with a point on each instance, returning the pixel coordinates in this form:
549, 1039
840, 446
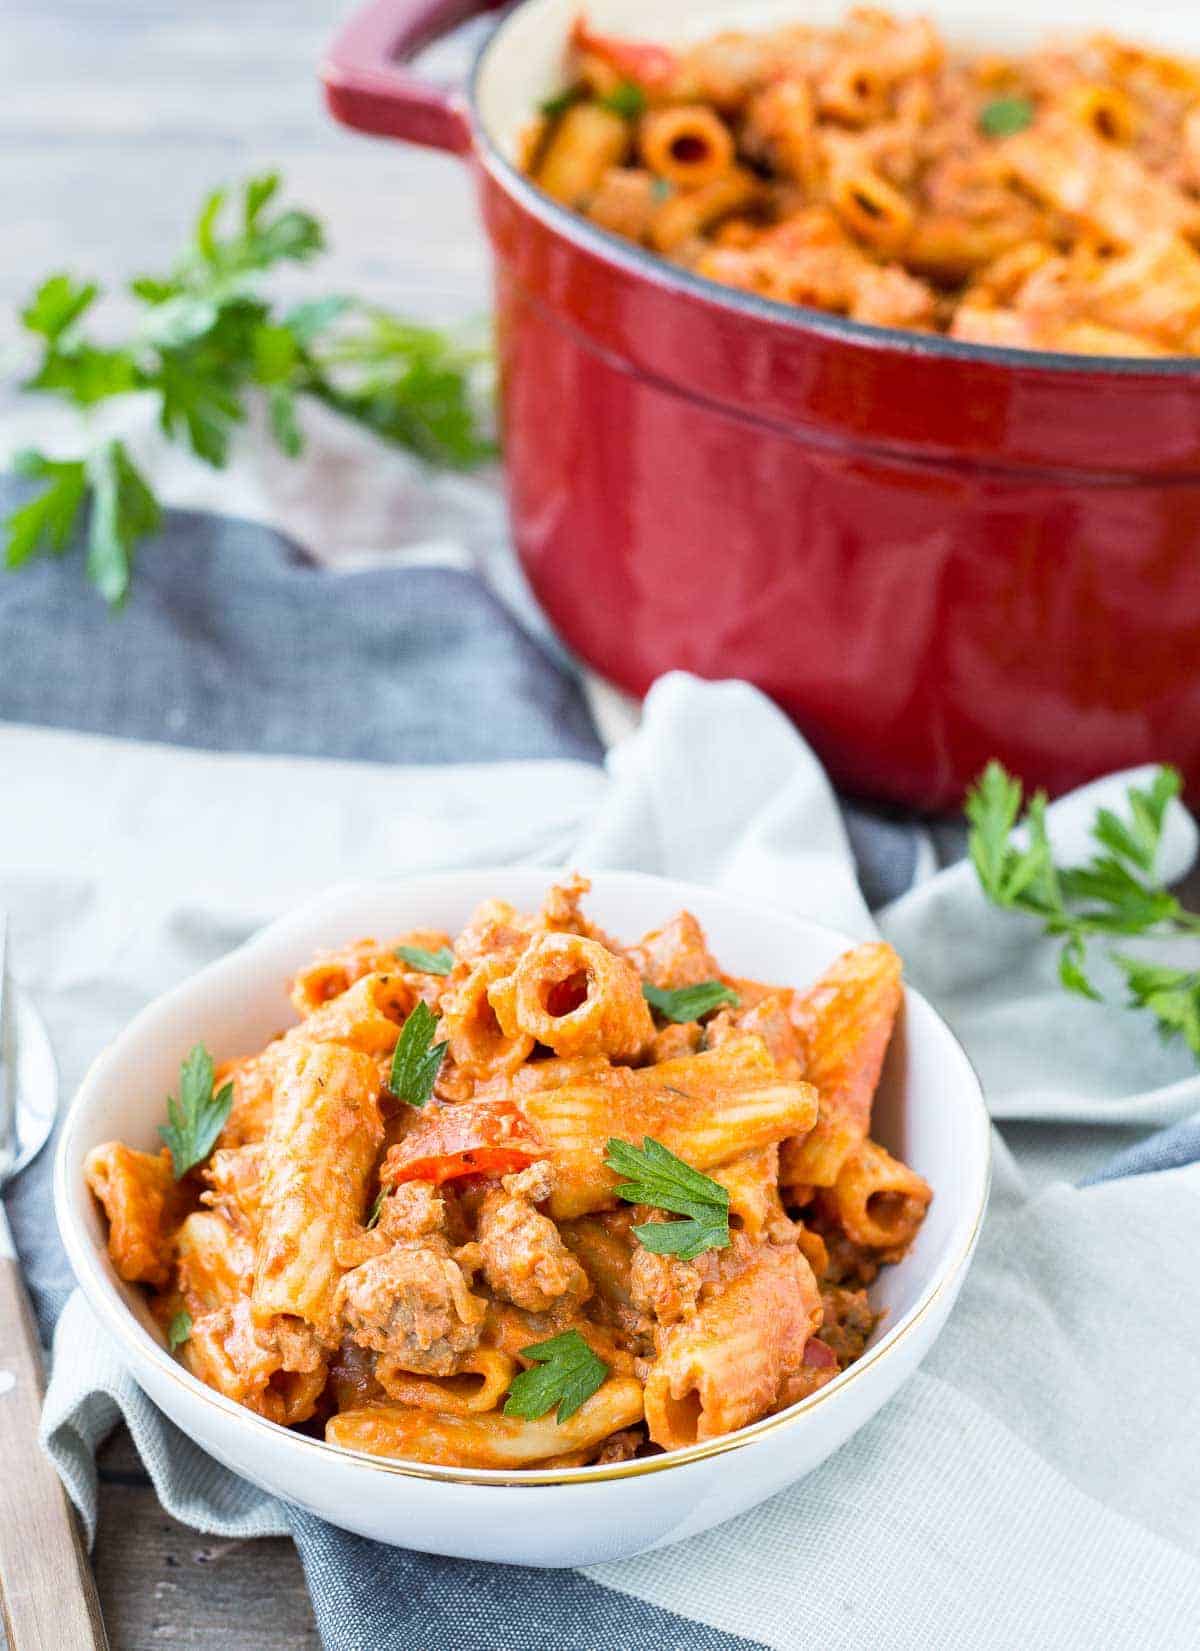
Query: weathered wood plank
164, 1588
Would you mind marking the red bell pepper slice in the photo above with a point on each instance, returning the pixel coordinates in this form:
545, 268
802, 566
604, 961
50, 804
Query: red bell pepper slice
466, 1138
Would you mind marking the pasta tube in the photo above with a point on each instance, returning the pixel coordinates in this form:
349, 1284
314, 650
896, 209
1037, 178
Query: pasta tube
333, 972
586, 142
486, 1441
274, 1369
483, 1378
1102, 185
140, 1200
325, 1136
216, 1263
726, 1366
253, 1082
752, 1182
705, 1108
879, 1201
576, 997
846, 1020
479, 1044
368, 1017
686, 144
691, 212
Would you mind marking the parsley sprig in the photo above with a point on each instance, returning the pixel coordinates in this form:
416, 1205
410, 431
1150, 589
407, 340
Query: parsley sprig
1115, 892
654, 1175
689, 1002
179, 1330
196, 1119
626, 99
1003, 116
417, 1060
566, 1373
553, 107
207, 338
430, 963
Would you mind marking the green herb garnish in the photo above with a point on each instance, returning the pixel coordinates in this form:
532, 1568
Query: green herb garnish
1005, 115
566, 1373
198, 1116
553, 107
206, 340
626, 100
655, 1176
1116, 892
376, 1208
1171, 995
690, 1002
417, 1059
179, 1329
430, 963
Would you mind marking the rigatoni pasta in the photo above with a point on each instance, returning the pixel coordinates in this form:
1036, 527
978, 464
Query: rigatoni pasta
527, 1196
870, 170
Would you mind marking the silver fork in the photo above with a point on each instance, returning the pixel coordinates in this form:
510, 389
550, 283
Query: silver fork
47, 1592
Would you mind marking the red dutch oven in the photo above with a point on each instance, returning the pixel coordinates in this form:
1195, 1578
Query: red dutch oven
928, 553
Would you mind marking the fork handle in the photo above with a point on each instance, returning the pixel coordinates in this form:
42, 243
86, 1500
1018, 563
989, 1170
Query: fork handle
47, 1592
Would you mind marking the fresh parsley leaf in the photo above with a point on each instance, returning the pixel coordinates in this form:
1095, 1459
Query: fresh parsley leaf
259, 242
83, 374
124, 512
417, 1059
276, 353
411, 385
1120, 902
1011, 875
553, 107
57, 304
689, 1002
1138, 838
181, 319
566, 1373
430, 963
992, 807
306, 322
1071, 970
198, 1116
281, 405
1005, 115
45, 523
179, 1329
205, 339
152, 289
199, 404
1172, 996
655, 1176
626, 100
1113, 893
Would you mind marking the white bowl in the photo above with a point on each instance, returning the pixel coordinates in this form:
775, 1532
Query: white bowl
929, 1110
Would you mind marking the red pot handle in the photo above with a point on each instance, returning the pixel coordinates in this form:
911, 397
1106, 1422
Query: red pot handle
369, 86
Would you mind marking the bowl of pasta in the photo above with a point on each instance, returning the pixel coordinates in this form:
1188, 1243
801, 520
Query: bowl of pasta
848, 353
557, 1223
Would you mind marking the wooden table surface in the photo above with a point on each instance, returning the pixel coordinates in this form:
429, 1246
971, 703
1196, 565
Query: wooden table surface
116, 118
